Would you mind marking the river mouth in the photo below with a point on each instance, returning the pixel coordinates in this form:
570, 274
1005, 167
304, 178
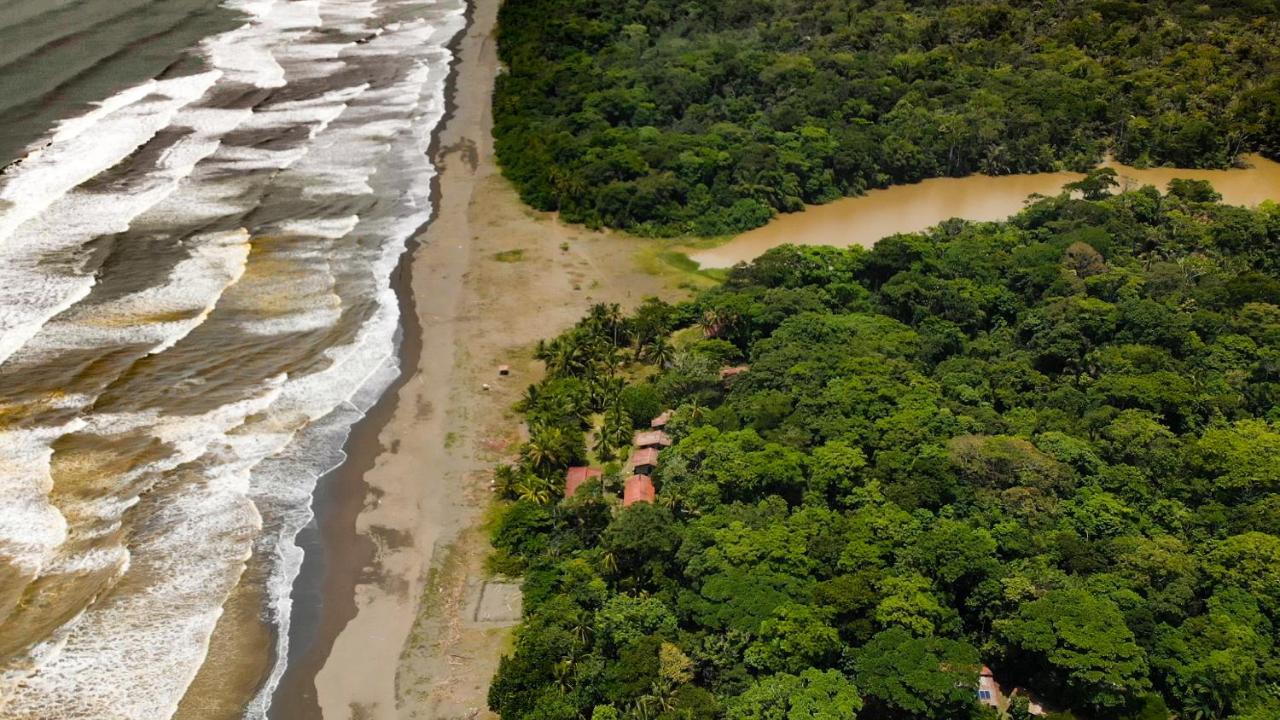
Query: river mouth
865, 219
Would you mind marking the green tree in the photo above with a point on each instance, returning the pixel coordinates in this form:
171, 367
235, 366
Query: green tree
1081, 641
1096, 184
811, 695
795, 637
624, 620
1251, 562
902, 676
907, 601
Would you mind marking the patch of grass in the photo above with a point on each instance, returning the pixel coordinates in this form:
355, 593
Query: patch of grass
444, 571
665, 258
685, 337
450, 439
509, 256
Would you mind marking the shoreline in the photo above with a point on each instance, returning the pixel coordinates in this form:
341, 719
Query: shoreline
417, 631
879, 212
336, 557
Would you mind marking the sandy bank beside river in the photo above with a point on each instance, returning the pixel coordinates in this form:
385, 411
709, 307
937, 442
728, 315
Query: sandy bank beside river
489, 279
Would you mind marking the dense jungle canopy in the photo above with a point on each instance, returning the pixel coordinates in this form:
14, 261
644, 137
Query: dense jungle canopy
670, 117
1051, 446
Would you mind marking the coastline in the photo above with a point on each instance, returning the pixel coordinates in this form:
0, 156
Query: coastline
389, 602
338, 557
401, 634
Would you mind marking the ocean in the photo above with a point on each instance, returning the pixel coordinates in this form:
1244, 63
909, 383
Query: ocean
200, 214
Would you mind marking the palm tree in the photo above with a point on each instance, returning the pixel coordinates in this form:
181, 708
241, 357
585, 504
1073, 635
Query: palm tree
564, 359
663, 693
530, 398
604, 446
582, 628
605, 391
643, 708
671, 498
617, 427
563, 672
711, 323
546, 448
533, 489
695, 410
659, 351
609, 563
607, 320
1207, 702
505, 478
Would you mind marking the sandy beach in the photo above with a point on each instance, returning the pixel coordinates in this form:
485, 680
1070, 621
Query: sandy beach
488, 278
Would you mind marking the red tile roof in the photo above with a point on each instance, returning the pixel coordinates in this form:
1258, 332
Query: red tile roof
639, 488
661, 420
576, 476
729, 372
646, 456
652, 438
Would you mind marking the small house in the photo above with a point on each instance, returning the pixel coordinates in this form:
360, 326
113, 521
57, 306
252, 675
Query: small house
661, 421
644, 460
652, 439
988, 689
576, 477
727, 374
639, 488
504, 370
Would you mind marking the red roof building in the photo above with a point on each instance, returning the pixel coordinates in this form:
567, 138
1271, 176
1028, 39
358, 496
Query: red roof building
661, 421
652, 439
643, 461
575, 478
729, 373
639, 488
988, 689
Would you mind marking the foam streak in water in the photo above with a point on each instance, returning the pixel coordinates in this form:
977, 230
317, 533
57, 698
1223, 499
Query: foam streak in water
203, 264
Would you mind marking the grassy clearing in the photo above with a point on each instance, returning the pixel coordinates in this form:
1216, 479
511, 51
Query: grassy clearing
668, 259
509, 256
685, 337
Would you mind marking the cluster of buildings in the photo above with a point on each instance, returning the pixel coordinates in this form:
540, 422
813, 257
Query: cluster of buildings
646, 446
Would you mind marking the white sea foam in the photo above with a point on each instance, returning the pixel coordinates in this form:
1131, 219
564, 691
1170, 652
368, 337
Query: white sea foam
248, 54
58, 236
216, 261
30, 528
85, 148
237, 476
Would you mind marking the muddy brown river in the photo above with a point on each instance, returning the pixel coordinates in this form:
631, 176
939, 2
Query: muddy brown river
911, 208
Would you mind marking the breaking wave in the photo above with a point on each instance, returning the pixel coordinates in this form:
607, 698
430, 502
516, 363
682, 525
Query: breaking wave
195, 307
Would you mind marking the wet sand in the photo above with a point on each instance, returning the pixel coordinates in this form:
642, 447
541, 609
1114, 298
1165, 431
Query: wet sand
911, 208
399, 635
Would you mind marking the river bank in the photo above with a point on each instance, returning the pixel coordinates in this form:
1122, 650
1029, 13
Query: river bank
488, 279
864, 219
